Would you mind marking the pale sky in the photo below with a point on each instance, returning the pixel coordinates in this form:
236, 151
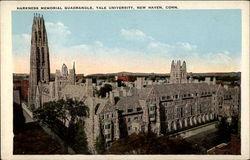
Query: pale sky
134, 41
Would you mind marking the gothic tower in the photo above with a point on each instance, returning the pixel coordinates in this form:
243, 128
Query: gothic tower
39, 58
178, 73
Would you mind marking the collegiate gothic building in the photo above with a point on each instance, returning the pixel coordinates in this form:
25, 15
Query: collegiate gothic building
39, 58
178, 73
141, 106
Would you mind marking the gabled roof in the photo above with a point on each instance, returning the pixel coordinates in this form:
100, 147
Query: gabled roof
128, 102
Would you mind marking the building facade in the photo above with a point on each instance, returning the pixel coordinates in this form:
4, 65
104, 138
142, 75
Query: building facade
141, 106
39, 58
178, 72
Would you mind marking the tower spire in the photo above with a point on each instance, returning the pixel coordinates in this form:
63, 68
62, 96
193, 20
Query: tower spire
39, 58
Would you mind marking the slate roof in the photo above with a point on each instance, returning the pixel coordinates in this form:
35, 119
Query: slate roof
162, 90
173, 89
128, 102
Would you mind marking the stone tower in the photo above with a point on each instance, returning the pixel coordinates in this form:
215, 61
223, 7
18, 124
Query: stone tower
178, 73
39, 58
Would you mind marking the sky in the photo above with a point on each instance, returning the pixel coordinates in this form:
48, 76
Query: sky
108, 41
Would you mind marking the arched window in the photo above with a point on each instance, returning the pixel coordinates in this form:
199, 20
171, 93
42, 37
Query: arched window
43, 59
36, 36
38, 55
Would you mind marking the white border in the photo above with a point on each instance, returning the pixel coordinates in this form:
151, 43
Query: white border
7, 81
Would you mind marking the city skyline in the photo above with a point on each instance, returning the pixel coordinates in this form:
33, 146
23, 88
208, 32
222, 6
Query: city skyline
134, 41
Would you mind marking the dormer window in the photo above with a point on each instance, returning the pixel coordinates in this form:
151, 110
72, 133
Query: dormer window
130, 110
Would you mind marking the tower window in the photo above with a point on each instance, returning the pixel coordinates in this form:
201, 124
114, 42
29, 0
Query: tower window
43, 60
36, 36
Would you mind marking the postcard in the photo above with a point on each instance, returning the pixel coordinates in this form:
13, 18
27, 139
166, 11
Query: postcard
124, 80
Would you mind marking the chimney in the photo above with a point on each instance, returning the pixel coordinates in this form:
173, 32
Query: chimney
226, 87
207, 80
88, 82
196, 81
139, 82
124, 92
111, 97
214, 80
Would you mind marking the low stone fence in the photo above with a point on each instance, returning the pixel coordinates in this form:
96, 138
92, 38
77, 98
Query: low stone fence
196, 130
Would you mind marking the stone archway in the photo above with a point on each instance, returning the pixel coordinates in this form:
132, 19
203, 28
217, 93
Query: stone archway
215, 116
179, 124
199, 119
169, 127
194, 120
211, 116
207, 117
174, 126
190, 121
203, 118
186, 122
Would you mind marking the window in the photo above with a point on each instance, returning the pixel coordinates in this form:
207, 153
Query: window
151, 116
135, 118
139, 109
129, 128
142, 128
107, 136
107, 126
43, 59
107, 115
152, 108
128, 119
130, 110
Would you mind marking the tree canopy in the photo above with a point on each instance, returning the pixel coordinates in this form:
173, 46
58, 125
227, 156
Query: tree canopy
105, 89
150, 143
65, 118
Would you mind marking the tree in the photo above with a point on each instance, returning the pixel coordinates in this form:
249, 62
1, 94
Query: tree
226, 128
63, 117
80, 144
105, 89
100, 144
150, 143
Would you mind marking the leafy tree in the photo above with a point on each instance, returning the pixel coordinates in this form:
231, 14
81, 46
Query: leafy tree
100, 144
226, 128
80, 140
62, 117
150, 143
105, 89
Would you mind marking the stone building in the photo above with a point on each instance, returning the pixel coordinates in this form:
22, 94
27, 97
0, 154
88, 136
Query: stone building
162, 108
39, 58
178, 72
